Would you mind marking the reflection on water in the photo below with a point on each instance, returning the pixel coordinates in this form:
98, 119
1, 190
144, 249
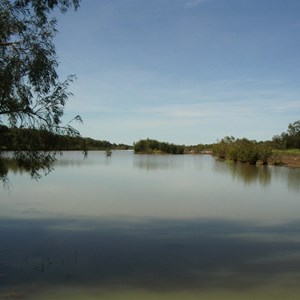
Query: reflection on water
247, 173
289, 175
151, 227
157, 162
151, 255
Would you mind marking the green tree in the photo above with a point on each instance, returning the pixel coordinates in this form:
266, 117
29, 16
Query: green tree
294, 135
225, 148
294, 128
154, 146
31, 93
242, 150
289, 139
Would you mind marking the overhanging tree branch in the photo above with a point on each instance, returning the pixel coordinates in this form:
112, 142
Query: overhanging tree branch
7, 44
31, 92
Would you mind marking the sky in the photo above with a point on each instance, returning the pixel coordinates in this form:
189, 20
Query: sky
182, 71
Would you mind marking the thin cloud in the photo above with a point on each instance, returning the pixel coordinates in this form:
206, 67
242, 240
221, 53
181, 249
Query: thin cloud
194, 3
286, 106
213, 109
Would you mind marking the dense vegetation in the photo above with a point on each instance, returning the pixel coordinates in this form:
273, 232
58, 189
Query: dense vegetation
290, 139
15, 139
199, 149
242, 150
154, 146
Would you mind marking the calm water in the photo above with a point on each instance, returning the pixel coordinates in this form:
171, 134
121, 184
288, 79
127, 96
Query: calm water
151, 227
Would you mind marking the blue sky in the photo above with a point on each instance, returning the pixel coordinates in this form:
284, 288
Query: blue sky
182, 71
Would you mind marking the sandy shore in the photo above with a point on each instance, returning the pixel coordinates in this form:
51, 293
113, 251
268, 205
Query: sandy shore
289, 160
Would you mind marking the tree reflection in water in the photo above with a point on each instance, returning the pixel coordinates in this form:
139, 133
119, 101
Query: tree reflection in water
249, 174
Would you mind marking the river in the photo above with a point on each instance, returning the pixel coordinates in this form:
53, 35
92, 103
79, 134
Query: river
150, 227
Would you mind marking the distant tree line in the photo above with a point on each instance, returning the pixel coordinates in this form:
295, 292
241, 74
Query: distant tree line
198, 149
43, 141
16, 139
154, 146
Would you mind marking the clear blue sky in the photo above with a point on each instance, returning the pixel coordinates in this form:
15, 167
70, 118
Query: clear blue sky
182, 71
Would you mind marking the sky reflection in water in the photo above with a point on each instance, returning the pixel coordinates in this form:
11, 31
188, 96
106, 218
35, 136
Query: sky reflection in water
159, 224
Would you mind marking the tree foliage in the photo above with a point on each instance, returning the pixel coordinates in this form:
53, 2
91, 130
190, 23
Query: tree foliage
199, 149
242, 150
289, 139
14, 139
31, 93
154, 146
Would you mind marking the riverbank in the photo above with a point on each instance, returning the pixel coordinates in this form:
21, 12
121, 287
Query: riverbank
278, 158
285, 159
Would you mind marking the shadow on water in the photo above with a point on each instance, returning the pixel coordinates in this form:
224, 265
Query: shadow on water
153, 254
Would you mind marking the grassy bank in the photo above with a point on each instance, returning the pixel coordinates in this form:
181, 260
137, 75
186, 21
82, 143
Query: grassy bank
287, 152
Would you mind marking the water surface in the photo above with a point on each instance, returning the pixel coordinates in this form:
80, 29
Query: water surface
151, 227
